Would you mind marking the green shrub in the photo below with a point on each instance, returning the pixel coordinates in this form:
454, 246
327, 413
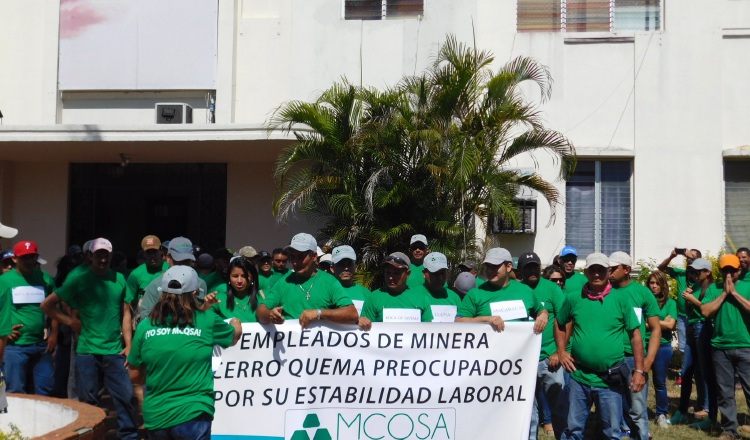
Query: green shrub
14, 434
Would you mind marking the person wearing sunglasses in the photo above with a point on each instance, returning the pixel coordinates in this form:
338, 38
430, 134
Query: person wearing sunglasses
728, 304
501, 298
574, 281
307, 294
396, 301
418, 249
555, 274
550, 379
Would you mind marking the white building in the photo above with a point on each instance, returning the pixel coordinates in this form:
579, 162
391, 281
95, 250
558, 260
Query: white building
653, 94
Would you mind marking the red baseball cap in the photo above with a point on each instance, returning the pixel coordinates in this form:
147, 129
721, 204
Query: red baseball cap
25, 248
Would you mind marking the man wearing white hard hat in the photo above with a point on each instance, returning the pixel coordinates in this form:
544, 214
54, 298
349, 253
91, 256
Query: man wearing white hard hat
308, 294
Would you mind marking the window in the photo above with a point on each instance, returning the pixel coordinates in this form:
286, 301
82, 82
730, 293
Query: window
382, 9
597, 207
526, 220
588, 15
737, 204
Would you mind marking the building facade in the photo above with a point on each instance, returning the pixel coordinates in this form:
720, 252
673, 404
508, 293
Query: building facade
652, 93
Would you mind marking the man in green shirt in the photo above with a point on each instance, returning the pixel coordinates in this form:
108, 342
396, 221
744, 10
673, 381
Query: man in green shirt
153, 265
344, 267
574, 281
265, 271
501, 298
443, 301
729, 307
29, 347
307, 294
595, 318
102, 299
550, 379
418, 249
396, 301
646, 310
471, 267
743, 254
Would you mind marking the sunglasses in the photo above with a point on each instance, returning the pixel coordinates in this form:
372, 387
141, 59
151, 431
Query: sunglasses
557, 280
421, 247
397, 260
569, 259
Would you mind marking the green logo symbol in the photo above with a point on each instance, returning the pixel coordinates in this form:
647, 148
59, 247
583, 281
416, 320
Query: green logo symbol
311, 421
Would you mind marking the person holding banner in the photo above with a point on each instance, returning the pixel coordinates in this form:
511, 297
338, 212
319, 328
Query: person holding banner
550, 382
501, 298
443, 302
171, 353
240, 297
344, 268
307, 294
596, 318
396, 301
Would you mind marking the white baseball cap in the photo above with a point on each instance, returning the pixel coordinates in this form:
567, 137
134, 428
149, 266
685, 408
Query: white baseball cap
435, 261
303, 242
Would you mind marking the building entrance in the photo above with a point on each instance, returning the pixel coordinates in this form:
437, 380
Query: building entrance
124, 204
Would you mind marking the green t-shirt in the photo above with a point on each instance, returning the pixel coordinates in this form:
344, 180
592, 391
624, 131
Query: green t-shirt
596, 341
178, 368
669, 309
320, 291
552, 298
416, 277
141, 277
264, 281
694, 313
243, 309
643, 306
443, 302
731, 323
574, 284
6, 303
480, 301
99, 300
213, 281
26, 293
358, 294
680, 275
411, 299
153, 293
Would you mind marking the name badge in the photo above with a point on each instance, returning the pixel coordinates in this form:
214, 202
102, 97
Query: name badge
358, 303
509, 310
443, 313
402, 315
28, 294
638, 314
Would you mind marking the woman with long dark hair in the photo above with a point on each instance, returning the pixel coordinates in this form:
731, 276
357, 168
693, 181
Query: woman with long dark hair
171, 353
657, 283
241, 297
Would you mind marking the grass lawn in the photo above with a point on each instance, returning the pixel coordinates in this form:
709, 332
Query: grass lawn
678, 431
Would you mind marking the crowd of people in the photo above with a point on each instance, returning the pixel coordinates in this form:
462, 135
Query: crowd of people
93, 327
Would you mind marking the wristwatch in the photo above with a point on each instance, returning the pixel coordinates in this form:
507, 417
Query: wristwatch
640, 371
320, 314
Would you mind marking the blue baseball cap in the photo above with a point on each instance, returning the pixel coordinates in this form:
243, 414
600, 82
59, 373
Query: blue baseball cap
568, 250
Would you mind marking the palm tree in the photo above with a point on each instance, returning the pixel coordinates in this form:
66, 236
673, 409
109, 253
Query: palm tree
430, 155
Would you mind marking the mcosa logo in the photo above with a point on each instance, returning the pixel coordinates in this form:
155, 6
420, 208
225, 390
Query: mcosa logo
371, 424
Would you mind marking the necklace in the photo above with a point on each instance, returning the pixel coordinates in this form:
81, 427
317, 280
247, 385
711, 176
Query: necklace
238, 304
307, 292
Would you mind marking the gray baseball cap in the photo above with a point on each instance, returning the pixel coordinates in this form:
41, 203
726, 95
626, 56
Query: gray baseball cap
181, 249
497, 256
344, 252
184, 275
303, 242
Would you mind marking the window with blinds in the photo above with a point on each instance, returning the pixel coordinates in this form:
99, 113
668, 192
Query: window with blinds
588, 15
382, 9
598, 207
737, 204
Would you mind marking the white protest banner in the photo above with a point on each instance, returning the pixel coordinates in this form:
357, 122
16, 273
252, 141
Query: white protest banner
400, 381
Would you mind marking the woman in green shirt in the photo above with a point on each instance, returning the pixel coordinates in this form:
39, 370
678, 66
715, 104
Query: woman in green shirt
657, 283
241, 297
171, 353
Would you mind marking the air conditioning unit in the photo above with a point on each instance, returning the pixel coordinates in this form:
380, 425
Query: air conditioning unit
173, 113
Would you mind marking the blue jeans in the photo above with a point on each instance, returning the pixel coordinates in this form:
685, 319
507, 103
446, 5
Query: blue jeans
20, 359
727, 363
693, 371
197, 429
707, 367
659, 376
89, 371
608, 403
634, 409
552, 384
